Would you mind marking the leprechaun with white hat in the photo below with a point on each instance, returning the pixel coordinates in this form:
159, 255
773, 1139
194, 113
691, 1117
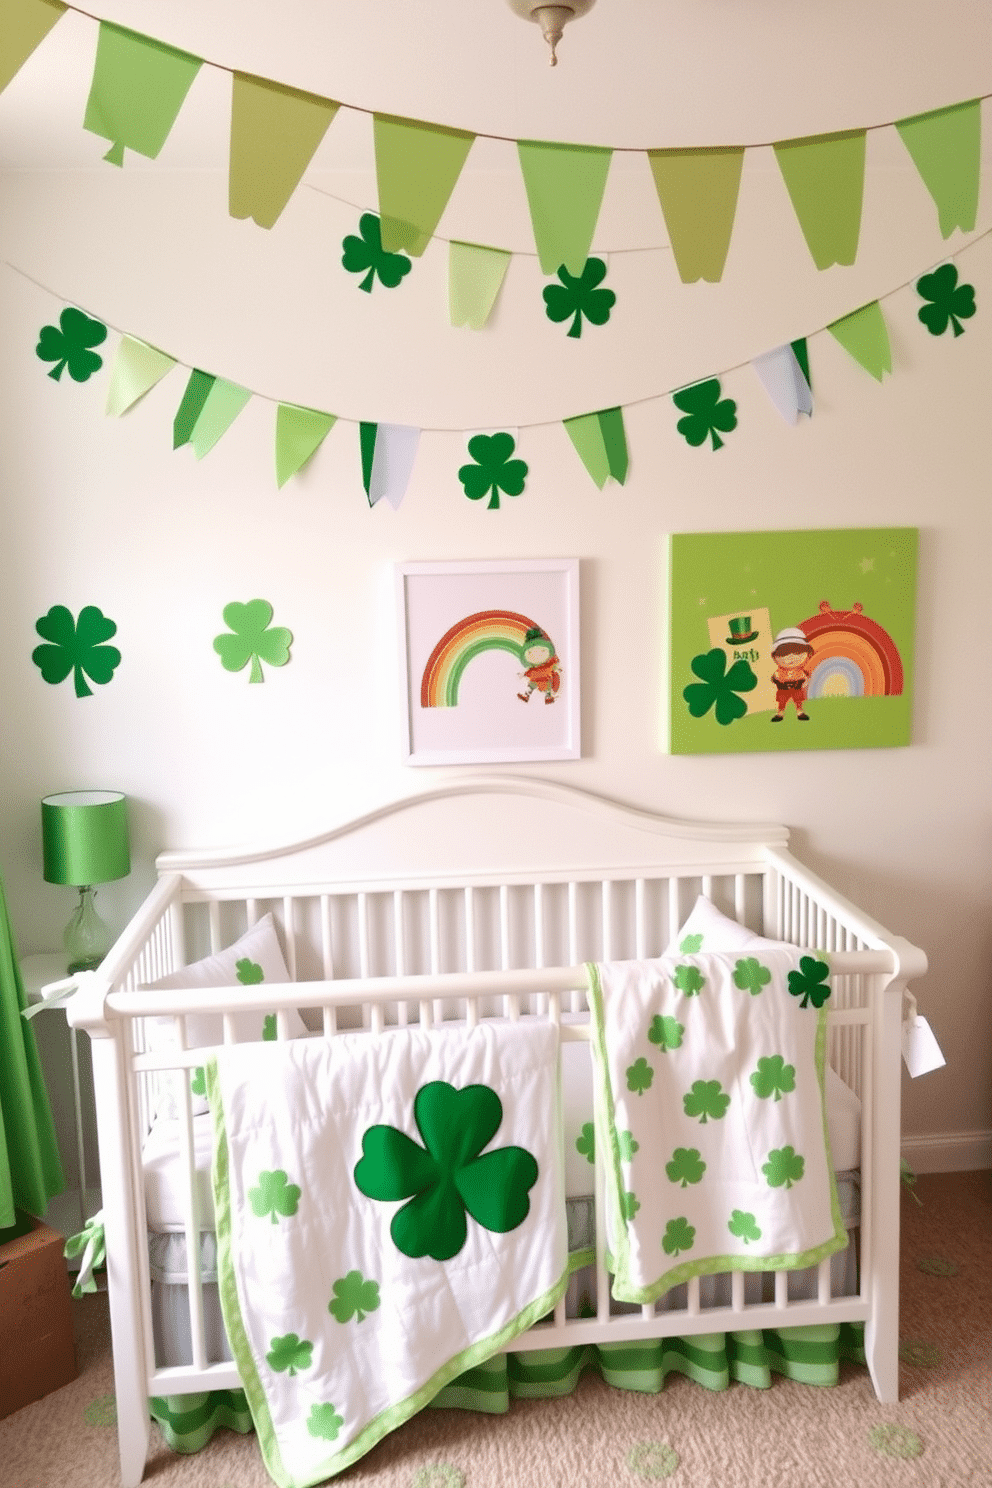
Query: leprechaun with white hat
793, 657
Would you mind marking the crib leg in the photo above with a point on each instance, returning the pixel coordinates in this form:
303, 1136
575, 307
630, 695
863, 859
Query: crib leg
882, 1327
133, 1432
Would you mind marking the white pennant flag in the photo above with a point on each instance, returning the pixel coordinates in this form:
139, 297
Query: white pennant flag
785, 382
392, 463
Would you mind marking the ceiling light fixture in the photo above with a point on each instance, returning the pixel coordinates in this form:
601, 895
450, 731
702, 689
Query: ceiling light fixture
552, 19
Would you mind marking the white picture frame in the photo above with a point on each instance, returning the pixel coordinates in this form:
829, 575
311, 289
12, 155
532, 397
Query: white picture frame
467, 693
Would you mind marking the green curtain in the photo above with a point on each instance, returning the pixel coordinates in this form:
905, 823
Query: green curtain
30, 1167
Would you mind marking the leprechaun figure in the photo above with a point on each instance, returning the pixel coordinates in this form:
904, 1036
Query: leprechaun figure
543, 672
793, 658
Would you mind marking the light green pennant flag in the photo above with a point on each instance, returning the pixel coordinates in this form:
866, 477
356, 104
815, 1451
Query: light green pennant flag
698, 191
139, 85
601, 444
189, 410
137, 368
946, 147
223, 403
475, 278
275, 132
864, 334
416, 166
299, 434
24, 24
825, 177
565, 185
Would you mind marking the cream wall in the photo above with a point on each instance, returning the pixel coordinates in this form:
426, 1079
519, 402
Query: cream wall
101, 511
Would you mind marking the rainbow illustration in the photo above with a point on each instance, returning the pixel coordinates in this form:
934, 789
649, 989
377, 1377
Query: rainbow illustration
486, 630
852, 655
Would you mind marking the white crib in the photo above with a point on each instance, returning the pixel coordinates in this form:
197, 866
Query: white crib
481, 898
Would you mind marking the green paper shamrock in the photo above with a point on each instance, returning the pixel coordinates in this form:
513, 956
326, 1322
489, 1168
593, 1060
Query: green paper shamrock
689, 979
719, 688
809, 982
76, 646
447, 1178
68, 345
686, 1166
639, 1076
773, 1077
751, 976
950, 302
706, 1099
585, 1143
270, 1028
743, 1225
493, 470
198, 1081
679, 1235
580, 297
690, 944
249, 973
324, 1421
274, 1195
666, 1032
289, 1354
367, 254
784, 1166
706, 413
253, 639
627, 1145
353, 1297
630, 1204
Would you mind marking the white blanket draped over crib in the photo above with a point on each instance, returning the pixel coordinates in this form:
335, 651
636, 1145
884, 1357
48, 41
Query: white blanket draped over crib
710, 1107
390, 1212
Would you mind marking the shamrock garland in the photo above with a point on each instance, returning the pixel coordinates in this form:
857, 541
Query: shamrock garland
366, 255
950, 302
69, 345
706, 412
580, 297
493, 470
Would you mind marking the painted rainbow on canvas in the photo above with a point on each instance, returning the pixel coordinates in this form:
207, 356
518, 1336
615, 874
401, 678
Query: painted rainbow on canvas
486, 630
852, 655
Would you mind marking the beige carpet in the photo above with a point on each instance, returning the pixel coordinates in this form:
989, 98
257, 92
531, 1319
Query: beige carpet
791, 1436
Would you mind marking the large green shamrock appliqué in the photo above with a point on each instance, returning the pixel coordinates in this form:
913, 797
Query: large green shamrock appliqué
76, 646
705, 412
950, 302
719, 688
255, 639
366, 255
493, 469
450, 1176
810, 982
69, 345
580, 297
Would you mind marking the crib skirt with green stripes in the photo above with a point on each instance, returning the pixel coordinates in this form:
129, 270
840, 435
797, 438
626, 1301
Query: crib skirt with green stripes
811, 1356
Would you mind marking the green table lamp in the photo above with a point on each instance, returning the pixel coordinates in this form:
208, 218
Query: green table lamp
85, 842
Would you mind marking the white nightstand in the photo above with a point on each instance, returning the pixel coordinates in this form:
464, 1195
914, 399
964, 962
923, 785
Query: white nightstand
68, 1211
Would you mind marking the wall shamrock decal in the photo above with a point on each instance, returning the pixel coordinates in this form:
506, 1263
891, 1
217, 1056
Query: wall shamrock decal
773, 1077
580, 297
706, 412
639, 1076
686, 1166
366, 255
666, 1032
450, 1176
950, 302
254, 640
719, 688
784, 1167
810, 982
289, 1354
751, 976
679, 1235
69, 345
743, 1225
493, 470
274, 1196
706, 1099
689, 979
354, 1297
76, 646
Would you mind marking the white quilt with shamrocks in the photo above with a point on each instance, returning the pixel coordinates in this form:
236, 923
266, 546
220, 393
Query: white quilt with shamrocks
709, 1103
390, 1212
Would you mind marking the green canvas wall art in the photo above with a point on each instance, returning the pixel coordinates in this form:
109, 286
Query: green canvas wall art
791, 640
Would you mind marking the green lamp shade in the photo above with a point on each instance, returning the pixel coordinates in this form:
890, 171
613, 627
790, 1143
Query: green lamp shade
85, 837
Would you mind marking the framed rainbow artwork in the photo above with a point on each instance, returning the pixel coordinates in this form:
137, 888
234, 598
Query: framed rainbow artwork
489, 660
784, 641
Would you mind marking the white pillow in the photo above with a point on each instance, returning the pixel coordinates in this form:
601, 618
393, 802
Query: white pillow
707, 929
255, 958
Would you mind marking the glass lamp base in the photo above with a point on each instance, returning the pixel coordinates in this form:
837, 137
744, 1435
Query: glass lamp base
86, 937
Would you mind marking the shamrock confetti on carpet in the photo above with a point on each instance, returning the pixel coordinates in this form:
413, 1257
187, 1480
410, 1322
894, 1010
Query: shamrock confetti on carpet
652, 1460
76, 646
895, 1441
69, 345
919, 1354
254, 639
102, 1411
580, 297
937, 1265
366, 255
494, 470
438, 1475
